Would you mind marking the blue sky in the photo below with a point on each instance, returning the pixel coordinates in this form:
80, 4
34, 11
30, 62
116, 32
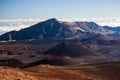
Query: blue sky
13, 9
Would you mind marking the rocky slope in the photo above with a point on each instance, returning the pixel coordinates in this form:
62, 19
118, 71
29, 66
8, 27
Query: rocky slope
52, 29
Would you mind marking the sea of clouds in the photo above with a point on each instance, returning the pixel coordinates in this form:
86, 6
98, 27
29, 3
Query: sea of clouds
111, 21
17, 24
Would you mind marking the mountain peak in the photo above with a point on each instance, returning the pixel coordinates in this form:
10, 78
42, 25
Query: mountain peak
52, 19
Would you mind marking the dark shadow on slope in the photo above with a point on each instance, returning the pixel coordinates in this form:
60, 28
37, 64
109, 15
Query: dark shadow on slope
11, 63
71, 50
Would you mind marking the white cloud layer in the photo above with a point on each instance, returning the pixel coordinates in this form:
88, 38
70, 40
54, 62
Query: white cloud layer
111, 21
17, 24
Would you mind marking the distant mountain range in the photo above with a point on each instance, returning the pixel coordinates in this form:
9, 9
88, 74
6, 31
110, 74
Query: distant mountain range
55, 29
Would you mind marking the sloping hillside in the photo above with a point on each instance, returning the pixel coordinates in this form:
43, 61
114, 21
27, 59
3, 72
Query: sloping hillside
70, 50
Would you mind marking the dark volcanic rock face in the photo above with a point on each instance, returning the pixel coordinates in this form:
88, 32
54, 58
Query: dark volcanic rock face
71, 50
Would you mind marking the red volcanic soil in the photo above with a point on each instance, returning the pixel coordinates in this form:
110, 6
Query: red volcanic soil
103, 71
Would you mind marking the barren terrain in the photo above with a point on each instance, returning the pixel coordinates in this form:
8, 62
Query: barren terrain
104, 71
